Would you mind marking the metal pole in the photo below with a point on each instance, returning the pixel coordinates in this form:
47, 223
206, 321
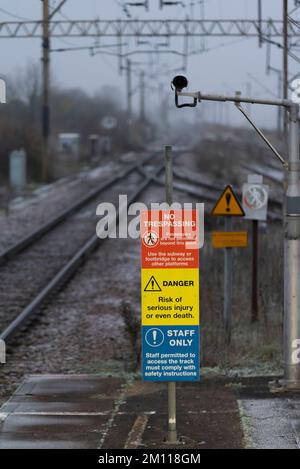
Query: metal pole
228, 284
172, 432
169, 174
254, 302
129, 98
279, 109
285, 60
249, 93
142, 90
46, 107
292, 259
186, 52
259, 24
129, 91
202, 17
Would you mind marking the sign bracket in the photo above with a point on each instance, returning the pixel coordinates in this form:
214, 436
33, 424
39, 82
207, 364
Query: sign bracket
262, 135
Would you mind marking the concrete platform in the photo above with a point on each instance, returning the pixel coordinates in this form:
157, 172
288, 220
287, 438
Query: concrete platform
86, 411
59, 412
83, 411
270, 421
271, 424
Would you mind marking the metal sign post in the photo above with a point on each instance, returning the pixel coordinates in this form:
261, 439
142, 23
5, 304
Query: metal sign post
255, 205
291, 340
254, 289
228, 283
169, 174
172, 430
228, 206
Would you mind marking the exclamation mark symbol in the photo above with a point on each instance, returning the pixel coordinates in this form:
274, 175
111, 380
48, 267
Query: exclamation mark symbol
228, 199
152, 283
154, 337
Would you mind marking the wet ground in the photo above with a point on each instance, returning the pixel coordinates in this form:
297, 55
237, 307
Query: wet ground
94, 412
90, 411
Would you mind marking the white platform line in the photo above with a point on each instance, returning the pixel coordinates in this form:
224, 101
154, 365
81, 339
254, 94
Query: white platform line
136, 433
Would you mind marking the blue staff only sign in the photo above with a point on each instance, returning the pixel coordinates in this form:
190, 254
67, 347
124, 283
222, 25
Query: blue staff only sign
170, 295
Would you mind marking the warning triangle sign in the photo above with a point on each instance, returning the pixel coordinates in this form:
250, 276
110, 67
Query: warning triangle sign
152, 285
228, 204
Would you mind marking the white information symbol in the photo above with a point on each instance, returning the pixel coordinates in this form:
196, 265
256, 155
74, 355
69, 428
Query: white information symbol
150, 239
255, 197
154, 337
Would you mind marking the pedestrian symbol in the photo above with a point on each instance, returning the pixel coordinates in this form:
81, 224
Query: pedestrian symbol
152, 285
154, 337
150, 239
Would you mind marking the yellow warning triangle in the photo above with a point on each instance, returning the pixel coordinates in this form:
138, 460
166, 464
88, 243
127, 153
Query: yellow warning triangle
152, 285
228, 204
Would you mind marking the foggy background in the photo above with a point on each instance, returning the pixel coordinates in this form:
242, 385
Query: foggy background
225, 67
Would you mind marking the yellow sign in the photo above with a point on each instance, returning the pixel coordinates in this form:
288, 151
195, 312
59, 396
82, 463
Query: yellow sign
228, 204
170, 297
228, 239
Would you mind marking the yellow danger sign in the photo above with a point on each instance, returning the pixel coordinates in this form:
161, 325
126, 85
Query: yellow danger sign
170, 297
228, 204
228, 239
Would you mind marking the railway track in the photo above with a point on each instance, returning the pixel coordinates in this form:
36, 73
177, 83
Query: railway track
45, 228
25, 288
209, 192
13, 260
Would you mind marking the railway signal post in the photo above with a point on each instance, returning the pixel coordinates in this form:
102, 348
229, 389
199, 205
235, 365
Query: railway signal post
255, 205
291, 326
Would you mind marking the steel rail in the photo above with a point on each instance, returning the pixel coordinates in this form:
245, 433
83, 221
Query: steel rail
218, 186
208, 197
65, 273
193, 192
45, 228
208, 185
264, 172
213, 187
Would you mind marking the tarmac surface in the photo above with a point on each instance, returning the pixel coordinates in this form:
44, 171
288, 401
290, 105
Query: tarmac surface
90, 411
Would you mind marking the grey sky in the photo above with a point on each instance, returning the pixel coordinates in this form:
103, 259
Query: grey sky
224, 68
